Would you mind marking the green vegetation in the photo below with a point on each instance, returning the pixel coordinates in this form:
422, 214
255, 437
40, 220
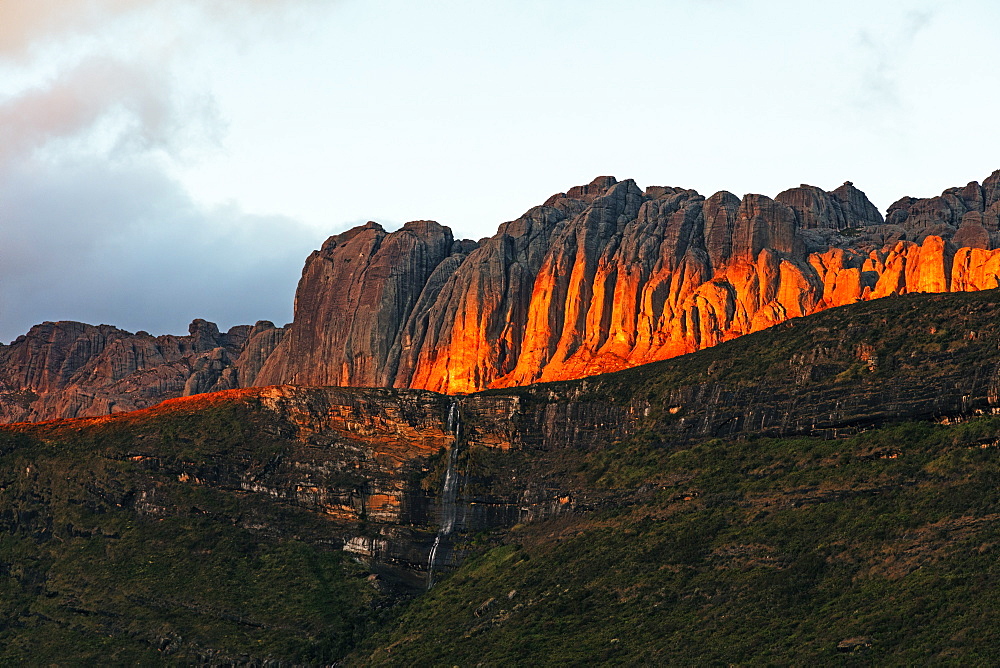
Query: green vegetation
766, 550
106, 556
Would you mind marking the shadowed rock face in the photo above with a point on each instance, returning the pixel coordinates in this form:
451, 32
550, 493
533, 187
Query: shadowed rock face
603, 277
354, 299
608, 276
69, 369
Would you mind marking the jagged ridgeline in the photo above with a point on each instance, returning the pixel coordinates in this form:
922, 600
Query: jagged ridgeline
603, 277
823, 491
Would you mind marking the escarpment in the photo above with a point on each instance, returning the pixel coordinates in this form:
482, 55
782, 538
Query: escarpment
191, 512
600, 278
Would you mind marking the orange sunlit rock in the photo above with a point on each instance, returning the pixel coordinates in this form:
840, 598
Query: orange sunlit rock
609, 276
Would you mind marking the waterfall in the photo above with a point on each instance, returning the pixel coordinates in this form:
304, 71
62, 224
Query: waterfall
449, 509
451, 417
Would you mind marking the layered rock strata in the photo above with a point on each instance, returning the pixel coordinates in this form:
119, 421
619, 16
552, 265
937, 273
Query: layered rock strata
376, 462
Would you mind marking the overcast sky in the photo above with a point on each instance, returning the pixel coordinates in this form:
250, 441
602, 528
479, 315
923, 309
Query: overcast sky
166, 160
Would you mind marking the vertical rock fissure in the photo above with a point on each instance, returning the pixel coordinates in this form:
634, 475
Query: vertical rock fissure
449, 508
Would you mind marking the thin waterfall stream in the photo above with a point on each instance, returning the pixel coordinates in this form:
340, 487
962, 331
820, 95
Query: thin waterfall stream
449, 490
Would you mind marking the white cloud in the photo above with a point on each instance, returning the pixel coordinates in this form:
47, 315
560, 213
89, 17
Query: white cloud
28, 23
120, 107
882, 54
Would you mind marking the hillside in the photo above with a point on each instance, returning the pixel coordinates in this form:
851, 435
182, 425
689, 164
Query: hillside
882, 546
830, 479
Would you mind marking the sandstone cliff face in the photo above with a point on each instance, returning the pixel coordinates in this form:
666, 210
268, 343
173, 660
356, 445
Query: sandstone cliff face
608, 276
69, 369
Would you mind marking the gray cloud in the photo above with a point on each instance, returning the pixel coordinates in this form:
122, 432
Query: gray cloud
92, 226
125, 245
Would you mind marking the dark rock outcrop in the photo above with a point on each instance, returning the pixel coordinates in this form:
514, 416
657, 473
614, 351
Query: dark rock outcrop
69, 369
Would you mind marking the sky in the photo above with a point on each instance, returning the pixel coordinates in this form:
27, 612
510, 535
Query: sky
162, 161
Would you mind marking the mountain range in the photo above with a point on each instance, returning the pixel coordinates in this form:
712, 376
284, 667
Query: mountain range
603, 277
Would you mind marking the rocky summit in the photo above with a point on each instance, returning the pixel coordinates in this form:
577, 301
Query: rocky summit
602, 277
608, 276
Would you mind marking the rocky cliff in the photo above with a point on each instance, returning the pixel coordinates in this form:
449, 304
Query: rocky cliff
379, 462
602, 277
70, 369
608, 276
